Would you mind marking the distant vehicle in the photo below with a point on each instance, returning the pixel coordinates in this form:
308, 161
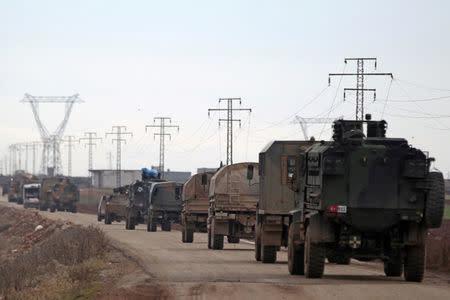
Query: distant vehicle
31, 193
362, 196
233, 195
277, 167
59, 193
116, 205
15, 193
195, 201
139, 199
165, 205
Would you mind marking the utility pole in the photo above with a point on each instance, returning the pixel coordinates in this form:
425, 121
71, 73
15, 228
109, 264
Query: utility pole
69, 140
91, 138
162, 134
229, 121
119, 131
360, 90
110, 160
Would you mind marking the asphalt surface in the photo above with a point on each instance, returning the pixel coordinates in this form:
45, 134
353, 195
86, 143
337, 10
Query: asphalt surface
234, 273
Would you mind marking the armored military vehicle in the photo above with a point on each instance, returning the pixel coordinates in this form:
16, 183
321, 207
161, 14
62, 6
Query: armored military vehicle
31, 195
139, 197
165, 205
277, 168
363, 196
195, 205
58, 193
116, 204
233, 195
15, 193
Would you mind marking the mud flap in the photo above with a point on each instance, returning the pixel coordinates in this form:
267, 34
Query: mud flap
321, 229
416, 235
221, 226
271, 234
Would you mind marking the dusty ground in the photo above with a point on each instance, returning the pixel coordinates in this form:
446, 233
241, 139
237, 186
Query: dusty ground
161, 266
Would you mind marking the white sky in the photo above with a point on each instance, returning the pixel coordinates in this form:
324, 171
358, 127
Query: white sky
131, 61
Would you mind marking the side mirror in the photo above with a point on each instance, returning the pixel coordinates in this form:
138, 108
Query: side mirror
204, 179
249, 172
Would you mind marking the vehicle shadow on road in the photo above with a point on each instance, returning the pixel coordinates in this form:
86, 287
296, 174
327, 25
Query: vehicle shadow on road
354, 278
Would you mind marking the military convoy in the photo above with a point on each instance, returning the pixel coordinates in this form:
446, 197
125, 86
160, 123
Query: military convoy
362, 196
195, 200
233, 195
58, 193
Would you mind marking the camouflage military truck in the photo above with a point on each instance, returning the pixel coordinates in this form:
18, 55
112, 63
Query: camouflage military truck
233, 194
31, 195
277, 168
363, 196
15, 193
58, 193
116, 205
195, 205
165, 205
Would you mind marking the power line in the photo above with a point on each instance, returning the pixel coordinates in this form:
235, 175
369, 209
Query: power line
229, 121
91, 138
69, 139
162, 134
360, 89
119, 131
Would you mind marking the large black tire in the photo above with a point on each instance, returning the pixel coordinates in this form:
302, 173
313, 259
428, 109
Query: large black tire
189, 235
166, 225
295, 255
107, 216
314, 257
216, 240
393, 269
132, 224
99, 217
268, 254
343, 259
74, 209
52, 209
258, 243
435, 202
209, 238
233, 239
414, 263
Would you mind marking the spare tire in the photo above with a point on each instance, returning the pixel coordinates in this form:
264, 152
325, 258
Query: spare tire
435, 201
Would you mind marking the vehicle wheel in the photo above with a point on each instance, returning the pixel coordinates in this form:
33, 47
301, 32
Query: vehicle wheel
189, 235
52, 209
314, 257
268, 254
435, 202
414, 263
99, 217
295, 255
393, 269
183, 235
166, 225
132, 224
42, 208
107, 218
209, 238
343, 260
332, 259
233, 240
258, 243
216, 240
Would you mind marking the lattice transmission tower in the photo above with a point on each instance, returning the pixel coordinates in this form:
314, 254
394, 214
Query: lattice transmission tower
360, 76
229, 121
51, 154
162, 134
119, 131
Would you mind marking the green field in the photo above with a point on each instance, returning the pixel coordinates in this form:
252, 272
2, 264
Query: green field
447, 212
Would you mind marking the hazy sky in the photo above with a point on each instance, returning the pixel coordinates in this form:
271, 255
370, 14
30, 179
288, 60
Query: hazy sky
131, 61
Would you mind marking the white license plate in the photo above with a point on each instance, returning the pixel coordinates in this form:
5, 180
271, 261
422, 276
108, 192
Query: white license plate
342, 209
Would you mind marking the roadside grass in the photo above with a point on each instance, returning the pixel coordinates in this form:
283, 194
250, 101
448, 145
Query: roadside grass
447, 212
67, 263
447, 196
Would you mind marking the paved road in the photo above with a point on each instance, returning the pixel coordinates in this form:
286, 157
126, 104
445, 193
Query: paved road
233, 272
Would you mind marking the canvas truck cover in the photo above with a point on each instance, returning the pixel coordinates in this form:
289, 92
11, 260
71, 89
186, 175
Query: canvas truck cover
232, 191
279, 165
195, 194
166, 196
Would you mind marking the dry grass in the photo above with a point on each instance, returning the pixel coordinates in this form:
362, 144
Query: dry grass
438, 247
64, 261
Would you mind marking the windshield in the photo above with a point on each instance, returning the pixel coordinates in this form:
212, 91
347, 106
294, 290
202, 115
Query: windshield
32, 193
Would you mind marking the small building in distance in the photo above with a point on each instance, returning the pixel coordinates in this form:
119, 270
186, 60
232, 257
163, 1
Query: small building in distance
106, 178
202, 170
